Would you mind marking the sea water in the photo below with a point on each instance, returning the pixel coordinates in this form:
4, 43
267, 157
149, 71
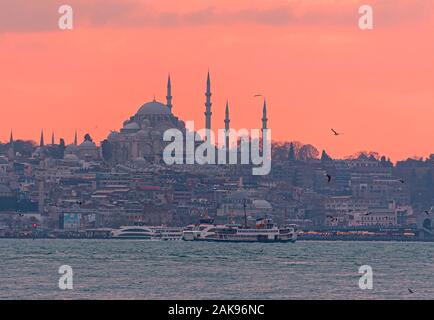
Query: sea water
134, 269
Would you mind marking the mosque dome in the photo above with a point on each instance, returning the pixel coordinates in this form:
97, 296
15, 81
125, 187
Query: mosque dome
146, 123
87, 144
113, 134
72, 148
142, 132
153, 107
40, 151
132, 126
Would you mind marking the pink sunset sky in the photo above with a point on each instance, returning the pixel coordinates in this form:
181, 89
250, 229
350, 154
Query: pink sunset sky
317, 69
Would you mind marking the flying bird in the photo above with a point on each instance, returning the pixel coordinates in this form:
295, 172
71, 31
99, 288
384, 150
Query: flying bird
329, 178
402, 181
335, 132
257, 95
368, 214
409, 290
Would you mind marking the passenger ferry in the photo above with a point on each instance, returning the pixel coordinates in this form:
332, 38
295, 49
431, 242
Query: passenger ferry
264, 231
147, 233
167, 233
205, 228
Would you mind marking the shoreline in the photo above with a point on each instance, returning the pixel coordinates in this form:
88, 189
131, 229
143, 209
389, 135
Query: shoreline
301, 239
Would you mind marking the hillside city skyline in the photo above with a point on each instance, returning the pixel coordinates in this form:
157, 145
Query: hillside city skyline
216, 156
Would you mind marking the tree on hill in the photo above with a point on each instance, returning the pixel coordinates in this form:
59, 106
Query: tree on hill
308, 152
364, 155
291, 152
325, 156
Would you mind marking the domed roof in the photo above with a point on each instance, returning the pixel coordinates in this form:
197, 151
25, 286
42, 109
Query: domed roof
87, 144
153, 107
142, 133
132, 126
40, 151
113, 134
146, 123
71, 148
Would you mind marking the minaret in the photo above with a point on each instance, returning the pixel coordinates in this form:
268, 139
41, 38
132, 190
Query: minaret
264, 116
264, 121
11, 150
75, 138
227, 121
41, 141
169, 94
52, 138
208, 103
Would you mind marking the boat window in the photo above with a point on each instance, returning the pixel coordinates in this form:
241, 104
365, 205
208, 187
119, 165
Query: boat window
136, 230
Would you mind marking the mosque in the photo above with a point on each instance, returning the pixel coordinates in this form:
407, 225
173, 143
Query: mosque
141, 137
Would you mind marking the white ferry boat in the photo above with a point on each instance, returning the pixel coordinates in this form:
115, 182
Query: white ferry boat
204, 229
147, 233
167, 233
264, 231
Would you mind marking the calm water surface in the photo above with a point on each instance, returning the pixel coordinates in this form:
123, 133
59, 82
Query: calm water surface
110, 269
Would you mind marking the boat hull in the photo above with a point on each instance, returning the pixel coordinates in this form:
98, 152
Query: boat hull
247, 241
241, 239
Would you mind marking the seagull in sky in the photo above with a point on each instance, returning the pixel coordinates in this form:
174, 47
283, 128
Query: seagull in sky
335, 132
